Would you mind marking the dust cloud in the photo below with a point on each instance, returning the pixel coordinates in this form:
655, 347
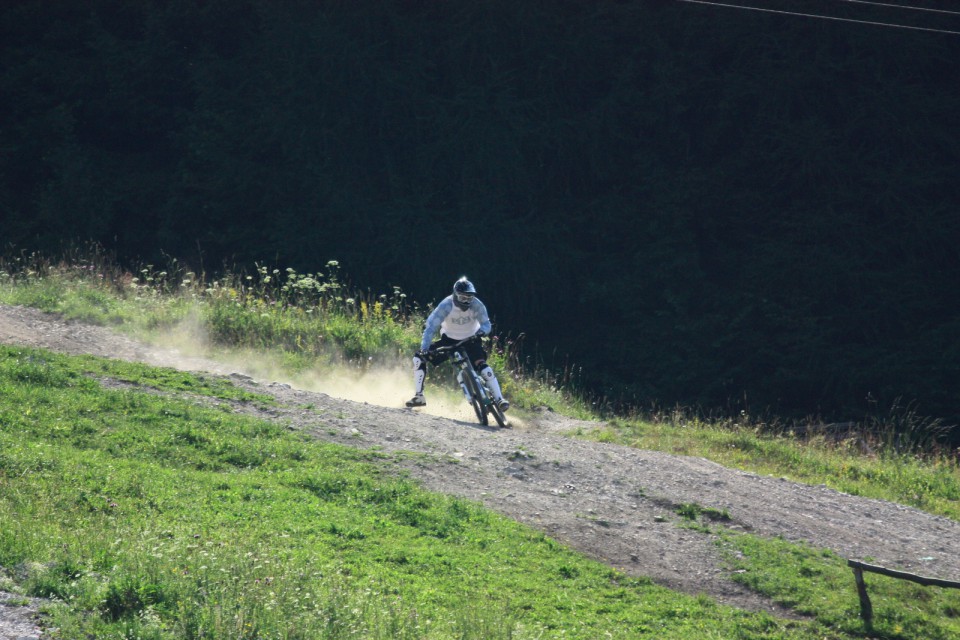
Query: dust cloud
187, 346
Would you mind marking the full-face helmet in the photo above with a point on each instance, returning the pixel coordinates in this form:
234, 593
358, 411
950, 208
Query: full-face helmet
463, 293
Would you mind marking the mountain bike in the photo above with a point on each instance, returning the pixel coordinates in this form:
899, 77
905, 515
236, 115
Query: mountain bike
472, 384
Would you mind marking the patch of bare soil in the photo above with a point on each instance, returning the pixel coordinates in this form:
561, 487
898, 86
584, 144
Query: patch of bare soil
614, 504
19, 618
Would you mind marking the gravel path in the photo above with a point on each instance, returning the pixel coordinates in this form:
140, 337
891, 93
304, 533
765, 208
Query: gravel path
612, 503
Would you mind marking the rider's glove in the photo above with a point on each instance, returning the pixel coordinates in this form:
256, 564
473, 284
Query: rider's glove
480, 334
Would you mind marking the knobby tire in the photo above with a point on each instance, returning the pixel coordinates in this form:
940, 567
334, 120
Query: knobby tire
476, 399
498, 415
478, 409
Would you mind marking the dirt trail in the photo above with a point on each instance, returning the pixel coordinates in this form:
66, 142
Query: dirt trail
612, 503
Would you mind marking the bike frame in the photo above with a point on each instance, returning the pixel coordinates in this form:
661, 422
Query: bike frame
473, 385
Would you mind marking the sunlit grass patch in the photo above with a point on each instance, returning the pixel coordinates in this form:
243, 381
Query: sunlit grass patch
818, 583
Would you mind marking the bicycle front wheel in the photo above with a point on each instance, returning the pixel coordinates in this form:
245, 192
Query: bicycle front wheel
479, 410
498, 415
476, 399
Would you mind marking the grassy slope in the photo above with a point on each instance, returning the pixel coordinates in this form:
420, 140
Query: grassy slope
388, 594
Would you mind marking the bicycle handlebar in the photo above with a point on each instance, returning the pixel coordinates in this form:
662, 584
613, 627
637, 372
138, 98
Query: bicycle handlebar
455, 346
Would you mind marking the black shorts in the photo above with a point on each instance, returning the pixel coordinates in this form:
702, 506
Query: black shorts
474, 349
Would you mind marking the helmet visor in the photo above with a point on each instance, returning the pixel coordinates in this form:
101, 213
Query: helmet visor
464, 298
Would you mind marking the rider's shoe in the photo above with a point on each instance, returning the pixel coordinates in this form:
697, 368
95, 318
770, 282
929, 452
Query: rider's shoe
417, 401
503, 404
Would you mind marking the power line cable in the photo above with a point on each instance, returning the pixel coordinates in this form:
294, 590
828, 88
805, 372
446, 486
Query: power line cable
903, 6
822, 17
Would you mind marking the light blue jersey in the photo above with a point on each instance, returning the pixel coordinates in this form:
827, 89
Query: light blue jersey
454, 322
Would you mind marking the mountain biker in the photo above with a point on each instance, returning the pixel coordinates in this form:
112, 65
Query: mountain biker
458, 316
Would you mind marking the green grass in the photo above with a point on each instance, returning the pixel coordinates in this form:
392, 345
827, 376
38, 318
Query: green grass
145, 515
818, 585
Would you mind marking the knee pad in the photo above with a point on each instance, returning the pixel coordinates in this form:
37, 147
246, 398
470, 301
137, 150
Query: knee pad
485, 370
419, 364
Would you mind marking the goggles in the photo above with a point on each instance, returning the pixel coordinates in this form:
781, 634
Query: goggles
465, 298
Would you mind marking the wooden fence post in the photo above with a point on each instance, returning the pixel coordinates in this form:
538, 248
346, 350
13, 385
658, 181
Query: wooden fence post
866, 609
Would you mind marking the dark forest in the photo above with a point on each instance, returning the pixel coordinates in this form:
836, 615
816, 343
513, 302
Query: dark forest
692, 205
